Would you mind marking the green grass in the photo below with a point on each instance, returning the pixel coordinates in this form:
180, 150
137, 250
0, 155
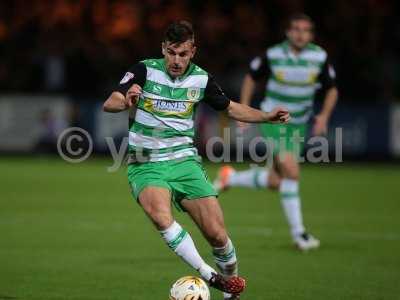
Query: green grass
73, 232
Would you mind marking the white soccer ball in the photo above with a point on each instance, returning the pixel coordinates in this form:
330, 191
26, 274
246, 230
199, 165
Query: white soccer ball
189, 288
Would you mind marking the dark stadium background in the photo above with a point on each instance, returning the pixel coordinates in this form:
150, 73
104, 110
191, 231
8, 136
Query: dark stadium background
81, 49
71, 231
97, 40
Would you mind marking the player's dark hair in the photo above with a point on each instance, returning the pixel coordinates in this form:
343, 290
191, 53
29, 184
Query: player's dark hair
299, 17
179, 32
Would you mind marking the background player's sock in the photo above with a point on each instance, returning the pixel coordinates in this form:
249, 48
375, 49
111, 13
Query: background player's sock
182, 244
225, 258
253, 178
290, 199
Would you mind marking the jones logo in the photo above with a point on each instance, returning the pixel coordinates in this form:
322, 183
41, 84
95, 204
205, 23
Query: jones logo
128, 76
170, 106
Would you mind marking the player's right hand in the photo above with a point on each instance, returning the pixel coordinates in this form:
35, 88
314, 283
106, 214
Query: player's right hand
279, 115
132, 95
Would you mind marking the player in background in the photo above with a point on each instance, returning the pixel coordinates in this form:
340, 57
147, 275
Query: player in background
294, 68
164, 168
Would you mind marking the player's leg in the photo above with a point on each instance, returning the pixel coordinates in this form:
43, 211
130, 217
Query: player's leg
274, 178
194, 193
289, 191
254, 177
156, 202
289, 169
251, 178
207, 214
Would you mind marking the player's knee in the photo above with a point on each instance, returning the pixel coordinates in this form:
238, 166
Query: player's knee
162, 221
291, 171
293, 174
274, 183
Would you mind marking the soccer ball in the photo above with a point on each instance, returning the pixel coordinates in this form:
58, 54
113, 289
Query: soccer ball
189, 288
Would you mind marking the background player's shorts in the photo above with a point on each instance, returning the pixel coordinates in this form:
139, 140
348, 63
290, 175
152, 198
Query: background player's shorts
286, 138
184, 178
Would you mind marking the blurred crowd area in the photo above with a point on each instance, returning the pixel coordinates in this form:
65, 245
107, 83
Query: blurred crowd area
83, 47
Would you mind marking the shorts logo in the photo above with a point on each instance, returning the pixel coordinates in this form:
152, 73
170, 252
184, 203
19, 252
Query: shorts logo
193, 93
133, 187
128, 76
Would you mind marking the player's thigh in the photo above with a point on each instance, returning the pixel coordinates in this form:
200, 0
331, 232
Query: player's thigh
156, 202
188, 180
284, 138
207, 214
288, 165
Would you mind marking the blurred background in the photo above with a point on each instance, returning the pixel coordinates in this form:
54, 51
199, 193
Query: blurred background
73, 231
60, 59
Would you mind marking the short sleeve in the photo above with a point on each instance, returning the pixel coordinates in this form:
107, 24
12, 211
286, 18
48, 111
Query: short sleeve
136, 74
259, 67
327, 77
214, 96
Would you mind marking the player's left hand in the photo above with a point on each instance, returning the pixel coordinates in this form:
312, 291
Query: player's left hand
132, 95
320, 125
279, 115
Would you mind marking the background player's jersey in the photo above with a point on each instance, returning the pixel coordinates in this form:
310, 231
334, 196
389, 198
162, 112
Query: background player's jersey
163, 127
293, 79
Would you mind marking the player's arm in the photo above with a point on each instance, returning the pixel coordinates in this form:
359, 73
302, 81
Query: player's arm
327, 80
215, 97
245, 113
258, 69
247, 90
117, 102
126, 94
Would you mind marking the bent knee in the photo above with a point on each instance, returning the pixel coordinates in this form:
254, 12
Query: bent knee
293, 175
288, 167
290, 170
162, 221
159, 212
274, 183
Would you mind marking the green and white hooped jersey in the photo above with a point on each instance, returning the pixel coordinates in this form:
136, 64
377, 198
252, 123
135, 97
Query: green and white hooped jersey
293, 79
163, 126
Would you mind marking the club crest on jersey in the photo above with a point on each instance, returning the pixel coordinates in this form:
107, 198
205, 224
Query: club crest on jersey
193, 93
128, 76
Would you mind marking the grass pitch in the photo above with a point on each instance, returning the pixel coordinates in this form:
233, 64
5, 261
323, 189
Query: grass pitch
73, 232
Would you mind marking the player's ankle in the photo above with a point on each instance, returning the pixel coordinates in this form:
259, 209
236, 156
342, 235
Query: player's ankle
206, 272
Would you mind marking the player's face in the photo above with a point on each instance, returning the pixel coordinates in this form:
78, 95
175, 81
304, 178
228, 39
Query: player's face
178, 56
300, 33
